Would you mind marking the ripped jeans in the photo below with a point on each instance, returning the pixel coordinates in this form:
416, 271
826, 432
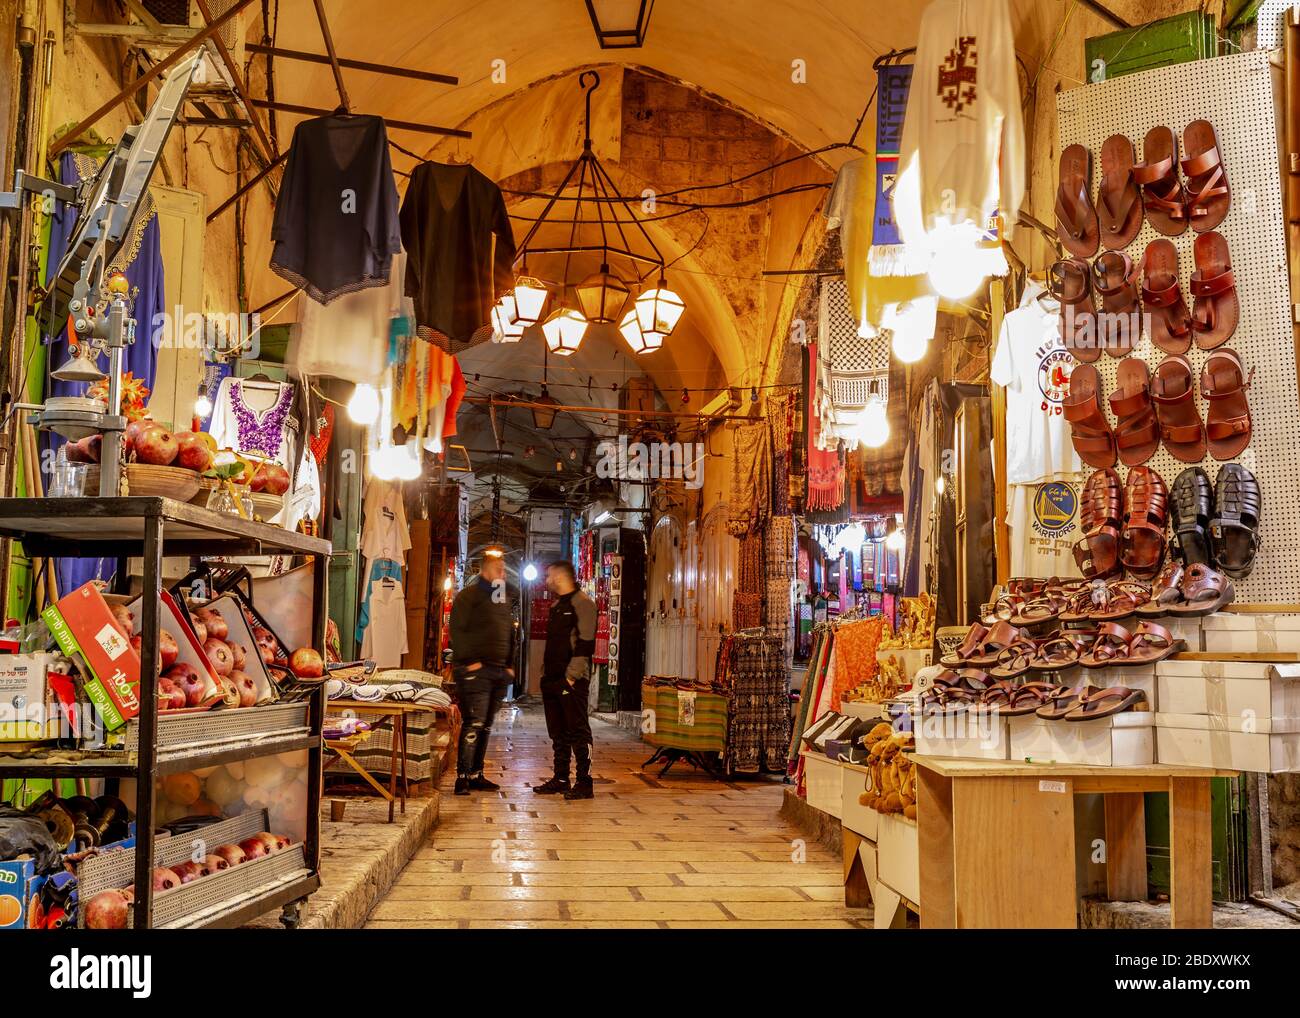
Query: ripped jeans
479, 693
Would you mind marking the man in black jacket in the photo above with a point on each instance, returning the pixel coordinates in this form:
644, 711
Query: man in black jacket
482, 657
570, 642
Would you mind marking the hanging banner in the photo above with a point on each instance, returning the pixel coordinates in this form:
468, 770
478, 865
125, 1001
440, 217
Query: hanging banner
892, 87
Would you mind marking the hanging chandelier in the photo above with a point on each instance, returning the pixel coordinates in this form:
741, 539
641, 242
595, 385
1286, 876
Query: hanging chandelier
601, 297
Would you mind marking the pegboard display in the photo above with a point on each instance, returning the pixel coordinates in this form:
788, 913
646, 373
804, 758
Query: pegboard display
1237, 94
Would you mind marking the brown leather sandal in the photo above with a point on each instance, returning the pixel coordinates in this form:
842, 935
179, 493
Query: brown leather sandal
1166, 591
1119, 600
1205, 591
1119, 200
1101, 511
1089, 430
969, 646
1064, 700
1026, 698
1169, 321
1119, 324
1110, 648
1227, 421
1076, 219
1062, 651
1070, 282
1014, 661
1172, 392
1143, 540
1105, 703
1208, 194
1137, 429
1164, 202
1215, 308
1151, 643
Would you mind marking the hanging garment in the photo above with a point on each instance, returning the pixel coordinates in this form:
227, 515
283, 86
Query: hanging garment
255, 417
751, 479
758, 716
848, 209
855, 645
780, 422
336, 226
141, 260
1033, 364
963, 150
348, 337
1044, 522
384, 535
825, 471
385, 637
380, 569
461, 251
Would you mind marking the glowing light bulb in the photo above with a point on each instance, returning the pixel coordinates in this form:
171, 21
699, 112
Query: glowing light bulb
909, 347
895, 540
363, 407
202, 406
446, 584
956, 269
873, 425
530, 572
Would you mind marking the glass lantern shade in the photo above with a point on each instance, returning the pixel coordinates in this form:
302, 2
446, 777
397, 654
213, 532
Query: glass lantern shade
659, 310
506, 330
526, 302
640, 342
602, 296
564, 330
543, 416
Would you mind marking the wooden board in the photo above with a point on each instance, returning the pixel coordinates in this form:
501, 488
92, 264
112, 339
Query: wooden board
1126, 846
958, 768
1190, 876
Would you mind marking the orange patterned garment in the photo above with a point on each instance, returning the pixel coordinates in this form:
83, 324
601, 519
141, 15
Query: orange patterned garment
855, 655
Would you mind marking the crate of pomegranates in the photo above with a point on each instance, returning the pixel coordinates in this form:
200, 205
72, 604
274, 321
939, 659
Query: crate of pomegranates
197, 874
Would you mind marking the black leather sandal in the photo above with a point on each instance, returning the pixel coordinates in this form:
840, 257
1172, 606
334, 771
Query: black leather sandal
1190, 503
1234, 531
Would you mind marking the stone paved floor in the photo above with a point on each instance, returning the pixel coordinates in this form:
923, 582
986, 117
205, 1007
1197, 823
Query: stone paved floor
681, 851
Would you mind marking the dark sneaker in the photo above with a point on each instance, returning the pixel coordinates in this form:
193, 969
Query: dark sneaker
581, 790
482, 784
462, 786
553, 787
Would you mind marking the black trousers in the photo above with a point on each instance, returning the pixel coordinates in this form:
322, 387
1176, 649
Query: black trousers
479, 693
567, 724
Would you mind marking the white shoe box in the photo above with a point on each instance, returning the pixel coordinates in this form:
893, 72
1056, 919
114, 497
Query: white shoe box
1232, 633
966, 735
1247, 691
898, 856
1208, 740
1121, 740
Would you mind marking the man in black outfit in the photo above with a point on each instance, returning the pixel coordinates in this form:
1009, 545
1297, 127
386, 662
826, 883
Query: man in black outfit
482, 657
570, 642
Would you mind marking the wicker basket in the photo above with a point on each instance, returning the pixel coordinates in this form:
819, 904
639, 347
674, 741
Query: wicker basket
164, 482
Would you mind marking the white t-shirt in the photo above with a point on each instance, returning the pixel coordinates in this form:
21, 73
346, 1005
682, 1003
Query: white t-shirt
348, 337
1034, 366
1044, 522
384, 641
385, 534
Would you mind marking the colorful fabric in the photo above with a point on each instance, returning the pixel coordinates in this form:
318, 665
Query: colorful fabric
707, 733
855, 644
751, 483
758, 727
825, 470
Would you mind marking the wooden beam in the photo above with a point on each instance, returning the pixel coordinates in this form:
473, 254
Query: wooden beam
129, 90
401, 125
264, 144
356, 65
333, 55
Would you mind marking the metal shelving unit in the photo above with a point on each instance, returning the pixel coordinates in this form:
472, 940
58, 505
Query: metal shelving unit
150, 528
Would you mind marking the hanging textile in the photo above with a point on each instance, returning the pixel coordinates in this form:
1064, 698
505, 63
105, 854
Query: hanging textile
751, 580
856, 643
348, 337
848, 209
780, 422
462, 250
963, 148
888, 254
758, 716
141, 260
825, 472
751, 484
336, 227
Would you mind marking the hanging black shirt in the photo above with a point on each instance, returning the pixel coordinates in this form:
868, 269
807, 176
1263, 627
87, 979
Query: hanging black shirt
459, 248
336, 220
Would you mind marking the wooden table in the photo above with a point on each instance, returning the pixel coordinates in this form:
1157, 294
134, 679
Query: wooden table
379, 711
997, 845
